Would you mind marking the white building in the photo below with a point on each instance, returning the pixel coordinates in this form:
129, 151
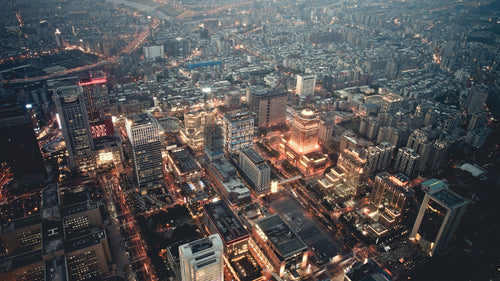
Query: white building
305, 85
201, 260
237, 129
153, 52
144, 133
256, 169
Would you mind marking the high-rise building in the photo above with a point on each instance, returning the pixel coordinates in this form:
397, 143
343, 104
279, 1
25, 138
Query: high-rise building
256, 169
269, 106
419, 142
214, 142
144, 133
195, 121
72, 115
378, 157
390, 192
59, 41
407, 161
476, 99
438, 217
237, 129
391, 103
153, 52
96, 96
439, 150
477, 120
305, 129
202, 260
18, 145
306, 85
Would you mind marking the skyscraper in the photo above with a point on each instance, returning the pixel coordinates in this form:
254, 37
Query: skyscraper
306, 85
72, 114
305, 129
201, 260
18, 145
390, 192
214, 142
269, 106
476, 99
438, 218
237, 129
144, 133
379, 157
96, 96
407, 161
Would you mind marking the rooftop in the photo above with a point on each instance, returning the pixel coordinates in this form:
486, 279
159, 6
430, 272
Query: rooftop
253, 155
183, 159
228, 226
284, 240
85, 241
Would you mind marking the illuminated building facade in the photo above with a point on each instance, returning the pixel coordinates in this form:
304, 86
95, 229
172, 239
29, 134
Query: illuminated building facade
18, 145
390, 195
96, 96
202, 260
195, 121
144, 133
70, 104
237, 129
438, 218
283, 248
305, 129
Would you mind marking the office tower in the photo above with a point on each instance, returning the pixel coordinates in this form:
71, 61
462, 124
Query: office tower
256, 169
378, 157
237, 129
272, 234
476, 99
419, 142
367, 270
477, 137
269, 106
96, 96
195, 121
477, 120
391, 103
59, 42
202, 260
144, 133
439, 151
305, 129
214, 142
306, 85
407, 161
72, 115
438, 217
18, 145
390, 192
